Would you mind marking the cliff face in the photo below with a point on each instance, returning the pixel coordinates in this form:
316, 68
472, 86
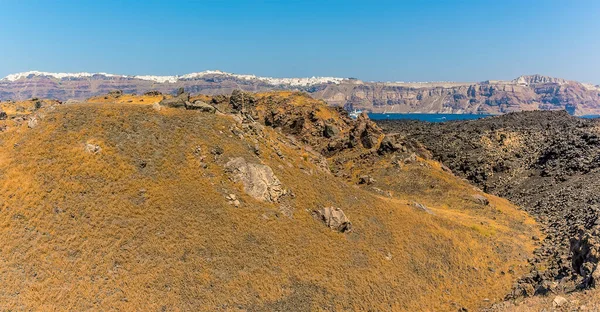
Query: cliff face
491, 97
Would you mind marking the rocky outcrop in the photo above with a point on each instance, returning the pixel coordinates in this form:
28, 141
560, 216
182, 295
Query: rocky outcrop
178, 101
201, 106
334, 218
365, 133
259, 180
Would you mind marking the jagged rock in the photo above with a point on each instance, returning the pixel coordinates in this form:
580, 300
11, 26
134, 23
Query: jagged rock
178, 101
32, 122
365, 132
241, 101
259, 180
388, 145
334, 218
480, 199
330, 131
201, 106
3, 115
585, 253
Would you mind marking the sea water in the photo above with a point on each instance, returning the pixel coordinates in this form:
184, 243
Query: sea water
426, 117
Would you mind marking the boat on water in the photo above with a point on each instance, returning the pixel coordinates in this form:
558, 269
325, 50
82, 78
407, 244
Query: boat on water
355, 113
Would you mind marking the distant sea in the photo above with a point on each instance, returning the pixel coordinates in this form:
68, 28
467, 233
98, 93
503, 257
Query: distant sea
426, 117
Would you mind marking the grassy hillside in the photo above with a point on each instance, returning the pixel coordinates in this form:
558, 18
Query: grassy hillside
144, 222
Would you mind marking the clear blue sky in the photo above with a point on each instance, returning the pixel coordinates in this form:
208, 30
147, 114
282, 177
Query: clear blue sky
371, 40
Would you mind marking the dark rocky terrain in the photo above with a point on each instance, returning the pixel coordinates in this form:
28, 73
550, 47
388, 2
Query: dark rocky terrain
534, 92
546, 162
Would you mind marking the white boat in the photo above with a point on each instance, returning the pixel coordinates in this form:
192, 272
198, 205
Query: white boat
355, 113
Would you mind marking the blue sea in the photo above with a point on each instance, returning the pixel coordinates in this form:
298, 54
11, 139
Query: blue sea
426, 117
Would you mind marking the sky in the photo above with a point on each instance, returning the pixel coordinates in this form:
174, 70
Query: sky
470, 40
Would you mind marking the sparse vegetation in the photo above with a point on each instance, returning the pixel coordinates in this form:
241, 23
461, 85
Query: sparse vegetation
147, 221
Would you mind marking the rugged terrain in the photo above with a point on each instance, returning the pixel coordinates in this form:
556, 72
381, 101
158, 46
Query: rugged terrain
534, 92
248, 202
546, 162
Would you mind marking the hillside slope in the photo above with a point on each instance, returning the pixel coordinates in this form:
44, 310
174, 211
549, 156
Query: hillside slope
122, 206
546, 162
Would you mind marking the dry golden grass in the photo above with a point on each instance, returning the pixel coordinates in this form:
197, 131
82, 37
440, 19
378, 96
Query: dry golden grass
142, 226
126, 99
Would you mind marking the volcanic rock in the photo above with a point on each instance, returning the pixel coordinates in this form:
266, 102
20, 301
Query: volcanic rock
259, 180
334, 218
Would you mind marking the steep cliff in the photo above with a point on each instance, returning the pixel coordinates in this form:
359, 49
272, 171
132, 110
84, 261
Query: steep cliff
489, 97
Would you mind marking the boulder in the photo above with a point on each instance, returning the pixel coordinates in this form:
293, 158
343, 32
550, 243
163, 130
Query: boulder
368, 180
389, 145
178, 101
201, 106
559, 301
334, 218
259, 180
330, 131
32, 122
3, 115
480, 199
92, 148
423, 208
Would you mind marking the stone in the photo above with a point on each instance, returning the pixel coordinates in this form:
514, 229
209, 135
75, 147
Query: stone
92, 148
3, 115
334, 218
259, 180
368, 180
480, 199
422, 207
200, 106
178, 101
32, 122
559, 301
330, 131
